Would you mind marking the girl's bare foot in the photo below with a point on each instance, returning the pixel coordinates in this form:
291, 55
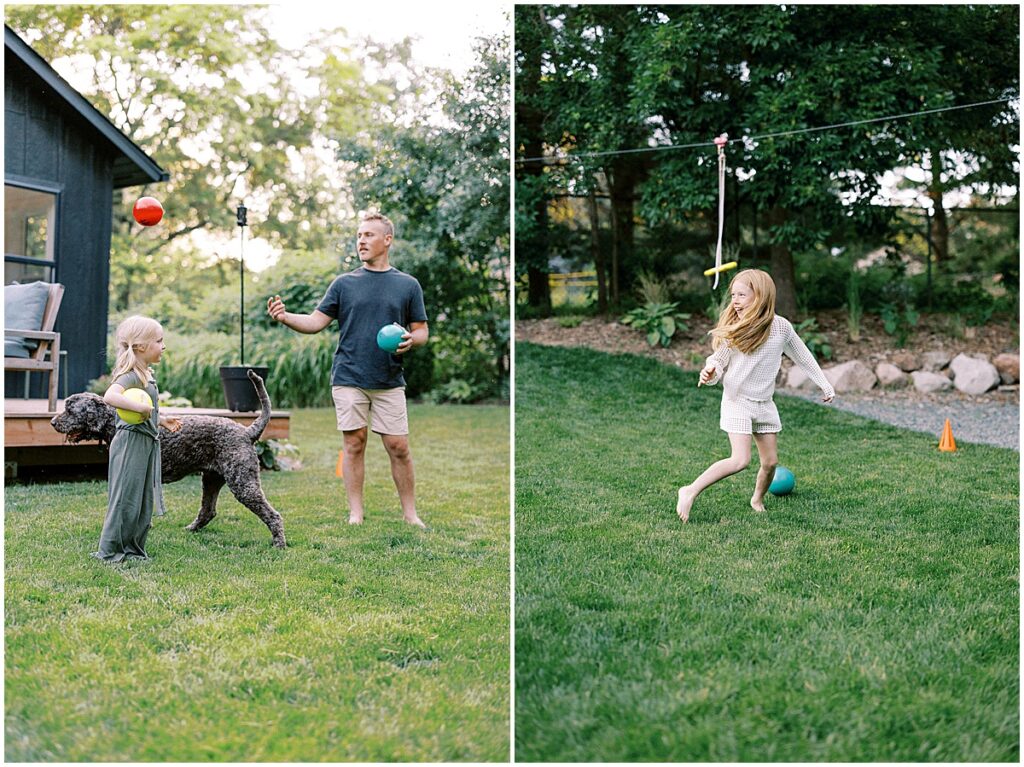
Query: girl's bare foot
684, 503
757, 504
355, 519
415, 520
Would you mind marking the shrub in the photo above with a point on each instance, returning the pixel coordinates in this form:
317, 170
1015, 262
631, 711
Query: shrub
817, 342
965, 297
651, 290
419, 371
456, 390
821, 280
278, 455
899, 322
469, 333
659, 321
299, 277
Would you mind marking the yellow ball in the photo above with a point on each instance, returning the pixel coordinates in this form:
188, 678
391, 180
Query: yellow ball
140, 396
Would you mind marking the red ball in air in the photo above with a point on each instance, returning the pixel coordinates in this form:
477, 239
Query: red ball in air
148, 211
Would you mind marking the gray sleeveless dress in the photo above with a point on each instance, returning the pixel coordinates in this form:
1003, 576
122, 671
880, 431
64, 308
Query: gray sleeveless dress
133, 475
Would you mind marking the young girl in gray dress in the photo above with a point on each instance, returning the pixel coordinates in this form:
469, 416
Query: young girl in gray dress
134, 466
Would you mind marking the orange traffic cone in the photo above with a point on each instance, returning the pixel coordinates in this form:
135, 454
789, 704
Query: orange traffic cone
947, 444
339, 470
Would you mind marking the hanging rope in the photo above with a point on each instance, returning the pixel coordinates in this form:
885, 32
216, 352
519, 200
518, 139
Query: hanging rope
720, 142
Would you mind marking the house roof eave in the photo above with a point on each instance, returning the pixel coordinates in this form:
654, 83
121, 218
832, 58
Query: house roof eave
133, 166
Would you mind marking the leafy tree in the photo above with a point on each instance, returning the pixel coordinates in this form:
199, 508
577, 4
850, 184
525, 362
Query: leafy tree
635, 77
574, 74
438, 166
531, 215
982, 65
207, 92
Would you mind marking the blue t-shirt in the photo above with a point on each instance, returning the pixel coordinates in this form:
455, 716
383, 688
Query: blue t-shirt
363, 301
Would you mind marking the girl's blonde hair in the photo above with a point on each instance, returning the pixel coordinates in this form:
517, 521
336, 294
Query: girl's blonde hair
134, 334
747, 334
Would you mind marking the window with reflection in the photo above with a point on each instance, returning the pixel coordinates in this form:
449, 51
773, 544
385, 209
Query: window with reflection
30, 218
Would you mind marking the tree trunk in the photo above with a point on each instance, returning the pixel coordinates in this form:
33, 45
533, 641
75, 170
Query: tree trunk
621, 184
615, 254
532, 249
597, 253
939, 233
538, 293
782, 269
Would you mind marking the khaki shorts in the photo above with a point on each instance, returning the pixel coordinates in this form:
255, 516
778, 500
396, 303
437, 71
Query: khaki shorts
748, 416
383, 409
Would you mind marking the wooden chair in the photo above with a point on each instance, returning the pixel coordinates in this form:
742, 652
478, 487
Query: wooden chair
46, 357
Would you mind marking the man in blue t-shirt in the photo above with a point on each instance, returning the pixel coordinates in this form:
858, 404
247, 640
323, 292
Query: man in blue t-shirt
367, 382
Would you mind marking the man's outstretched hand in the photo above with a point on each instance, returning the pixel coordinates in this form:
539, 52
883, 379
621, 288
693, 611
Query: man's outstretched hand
275, 308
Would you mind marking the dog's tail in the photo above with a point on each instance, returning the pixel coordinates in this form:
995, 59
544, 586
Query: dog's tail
256, 428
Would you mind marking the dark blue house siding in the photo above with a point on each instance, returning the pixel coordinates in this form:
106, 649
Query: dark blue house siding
46, 143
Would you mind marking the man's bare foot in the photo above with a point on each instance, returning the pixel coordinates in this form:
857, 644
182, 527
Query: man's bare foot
684, 503
757, 504
355, 519
415, 520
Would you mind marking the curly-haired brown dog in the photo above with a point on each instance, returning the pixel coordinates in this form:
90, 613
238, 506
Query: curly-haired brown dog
218, 448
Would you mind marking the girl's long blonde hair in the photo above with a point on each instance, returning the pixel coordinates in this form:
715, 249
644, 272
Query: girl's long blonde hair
747, 334
134, 334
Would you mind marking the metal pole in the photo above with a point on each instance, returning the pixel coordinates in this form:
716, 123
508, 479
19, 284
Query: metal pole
240, 216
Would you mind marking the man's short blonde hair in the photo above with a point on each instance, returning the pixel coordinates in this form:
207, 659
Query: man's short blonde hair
376, 216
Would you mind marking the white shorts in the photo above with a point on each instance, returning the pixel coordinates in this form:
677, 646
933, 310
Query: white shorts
748, 416
383, 409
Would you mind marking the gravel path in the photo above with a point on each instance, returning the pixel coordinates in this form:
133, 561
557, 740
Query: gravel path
993, 421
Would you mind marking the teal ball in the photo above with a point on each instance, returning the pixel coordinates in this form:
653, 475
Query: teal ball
783, 482
390, 336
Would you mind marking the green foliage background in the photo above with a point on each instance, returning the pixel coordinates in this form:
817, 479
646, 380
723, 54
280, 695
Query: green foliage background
595, 80
215, 100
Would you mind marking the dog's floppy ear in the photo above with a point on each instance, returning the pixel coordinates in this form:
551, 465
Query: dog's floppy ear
104, 418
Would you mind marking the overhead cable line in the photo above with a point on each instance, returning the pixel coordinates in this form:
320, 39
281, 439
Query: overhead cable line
561, 160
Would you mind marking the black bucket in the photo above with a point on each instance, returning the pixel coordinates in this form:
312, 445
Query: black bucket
239, 391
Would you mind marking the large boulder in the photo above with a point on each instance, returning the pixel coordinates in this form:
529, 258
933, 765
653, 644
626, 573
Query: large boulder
973, 374
905, 361
932, 362
851, 376
890, 376
1008, 366
927, 382
796, 378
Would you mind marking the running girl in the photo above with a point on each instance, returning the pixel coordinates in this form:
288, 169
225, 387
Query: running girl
748, 343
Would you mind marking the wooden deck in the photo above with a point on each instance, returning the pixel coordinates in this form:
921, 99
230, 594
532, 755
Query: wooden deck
30, 440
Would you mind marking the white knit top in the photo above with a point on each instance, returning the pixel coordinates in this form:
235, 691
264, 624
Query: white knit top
752, 376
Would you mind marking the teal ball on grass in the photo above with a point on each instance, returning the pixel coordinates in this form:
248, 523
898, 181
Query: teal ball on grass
783, 482
390, 336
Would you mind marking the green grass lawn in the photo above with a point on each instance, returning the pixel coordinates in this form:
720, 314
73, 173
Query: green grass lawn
872, 615
373, 643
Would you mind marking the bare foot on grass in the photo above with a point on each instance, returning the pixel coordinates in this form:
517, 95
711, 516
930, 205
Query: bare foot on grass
355, 519
415, 520
757, 504
684, 503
